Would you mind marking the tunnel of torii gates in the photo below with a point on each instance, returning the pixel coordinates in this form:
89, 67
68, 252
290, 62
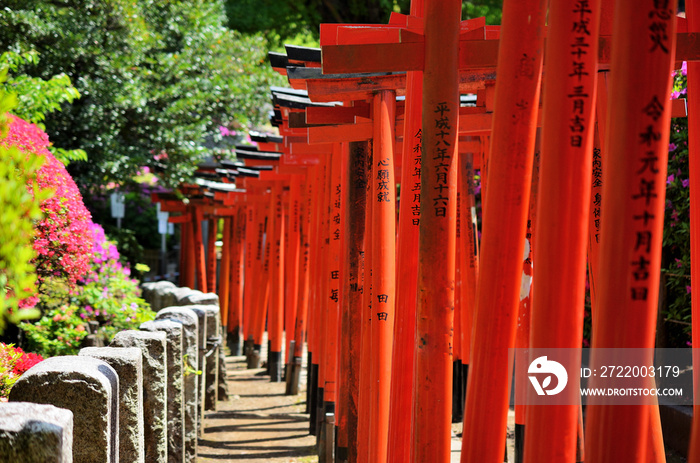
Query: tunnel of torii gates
396, 301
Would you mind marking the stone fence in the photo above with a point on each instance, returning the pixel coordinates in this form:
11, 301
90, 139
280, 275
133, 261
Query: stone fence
139, 400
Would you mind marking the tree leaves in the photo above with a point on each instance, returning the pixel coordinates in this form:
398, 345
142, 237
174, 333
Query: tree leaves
153, 77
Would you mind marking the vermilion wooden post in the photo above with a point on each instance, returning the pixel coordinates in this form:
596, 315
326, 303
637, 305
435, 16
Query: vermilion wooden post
292, 254
276, 323
304, 271
343, 393
325, 376
235, 322
199, 260
363, 434
401, 412
211, 253
225, 269
693, 15
331, 296
352, 312
189, 261
248, 246
632, 214
562, 214
253, 252
343, 349
383, 203
522, 332
436, 264
504, 224
597, 186
260, 310
314, 296
184, 228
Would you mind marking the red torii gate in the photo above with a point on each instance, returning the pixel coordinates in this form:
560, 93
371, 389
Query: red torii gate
355, 88
441, 29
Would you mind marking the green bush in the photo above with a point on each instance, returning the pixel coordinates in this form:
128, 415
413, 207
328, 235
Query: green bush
20, 198
59, 332
103, 303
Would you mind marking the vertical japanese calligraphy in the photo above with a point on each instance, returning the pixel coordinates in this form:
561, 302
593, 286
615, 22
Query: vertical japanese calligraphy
383, 179
415, 190
596, 190
659, 25
443, 154
647, 170
580, 68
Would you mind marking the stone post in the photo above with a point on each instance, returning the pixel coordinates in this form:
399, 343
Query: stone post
33, 433
176, 408
89, 388
201, 313
153, 348
190, 324
212, 356
128, 363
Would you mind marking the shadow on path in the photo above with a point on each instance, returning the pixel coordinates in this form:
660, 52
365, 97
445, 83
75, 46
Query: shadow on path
258, 423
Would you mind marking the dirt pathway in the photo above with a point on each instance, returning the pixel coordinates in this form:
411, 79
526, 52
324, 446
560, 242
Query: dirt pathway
258, 424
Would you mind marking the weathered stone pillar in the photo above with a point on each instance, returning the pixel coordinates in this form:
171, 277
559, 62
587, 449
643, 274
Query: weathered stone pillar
190, 324
212, 356
201, 313
153, 293
222, 391
34, 433
176, 403
172, 296
199, 298
153, 348
89, 388
128, 363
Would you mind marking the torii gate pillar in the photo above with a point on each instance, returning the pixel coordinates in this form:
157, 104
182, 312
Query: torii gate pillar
436, 261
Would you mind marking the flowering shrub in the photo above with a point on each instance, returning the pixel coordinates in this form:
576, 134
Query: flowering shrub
103, 302
59, 332
13, 363
62, 237
107, 294
676, 244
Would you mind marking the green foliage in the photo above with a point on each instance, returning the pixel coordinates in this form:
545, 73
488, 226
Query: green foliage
37, 97
278, 21
59, 332
190, 367
155, 77
19, 209
676, 244
491, 9
20, 198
